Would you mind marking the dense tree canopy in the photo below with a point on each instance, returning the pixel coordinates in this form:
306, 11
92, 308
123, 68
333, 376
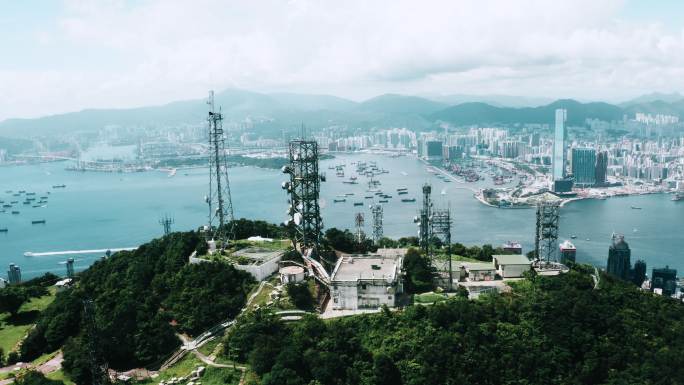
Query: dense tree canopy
549, 330
137, 297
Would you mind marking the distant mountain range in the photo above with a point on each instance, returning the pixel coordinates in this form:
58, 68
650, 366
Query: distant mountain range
273, 112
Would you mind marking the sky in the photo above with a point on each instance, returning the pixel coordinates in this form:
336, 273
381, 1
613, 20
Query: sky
60, 56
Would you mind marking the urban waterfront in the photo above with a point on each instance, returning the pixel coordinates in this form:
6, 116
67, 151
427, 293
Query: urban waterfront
112, 210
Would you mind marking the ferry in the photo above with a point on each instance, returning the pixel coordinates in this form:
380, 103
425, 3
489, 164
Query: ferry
339, 200
408, 200
38, 222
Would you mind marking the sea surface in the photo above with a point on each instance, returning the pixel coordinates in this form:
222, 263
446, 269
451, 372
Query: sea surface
113, 210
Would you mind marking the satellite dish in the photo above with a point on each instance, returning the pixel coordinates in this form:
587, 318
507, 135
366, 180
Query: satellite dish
297, 219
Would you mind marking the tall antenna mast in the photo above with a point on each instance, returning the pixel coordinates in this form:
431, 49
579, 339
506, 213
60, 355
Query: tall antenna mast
219, 200
166, 221
359, 221
376, 210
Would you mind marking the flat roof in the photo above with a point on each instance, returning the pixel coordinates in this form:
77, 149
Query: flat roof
258, 253
478, 266
512, 259
355, 268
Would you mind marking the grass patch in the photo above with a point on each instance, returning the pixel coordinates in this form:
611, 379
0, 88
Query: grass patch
429, 298
220, 376
13, 329
179, 369
60, 376
209, 347
262, 297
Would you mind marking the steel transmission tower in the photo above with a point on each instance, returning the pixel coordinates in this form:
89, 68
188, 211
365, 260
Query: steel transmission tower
304, 188
376, 210
440, 223
425, 213
359, 221
99, 368
166, 221
219, 200
546, 240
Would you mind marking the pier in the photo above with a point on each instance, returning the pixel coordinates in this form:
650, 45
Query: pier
69, 252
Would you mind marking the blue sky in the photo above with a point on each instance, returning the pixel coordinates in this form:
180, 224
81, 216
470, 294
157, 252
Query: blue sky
59, 56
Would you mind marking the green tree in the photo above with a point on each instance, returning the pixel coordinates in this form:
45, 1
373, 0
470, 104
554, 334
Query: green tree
419, 272
11, 299
300, 295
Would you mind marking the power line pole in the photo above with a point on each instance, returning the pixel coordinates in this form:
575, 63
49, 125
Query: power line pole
424, 221
376, 211
359, 221
546, 237
304, 188
440, 222
166, 221
219, 199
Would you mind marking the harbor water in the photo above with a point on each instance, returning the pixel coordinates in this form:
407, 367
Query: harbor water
118, 210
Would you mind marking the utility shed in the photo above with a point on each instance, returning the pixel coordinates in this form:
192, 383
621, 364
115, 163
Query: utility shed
479, 271
511, 266
366, 281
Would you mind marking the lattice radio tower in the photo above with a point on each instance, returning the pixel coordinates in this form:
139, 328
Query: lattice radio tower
376, 211
166, 221
219, 200
546, 240
424, 221
304, 188
99, 369
359, 221
440, 223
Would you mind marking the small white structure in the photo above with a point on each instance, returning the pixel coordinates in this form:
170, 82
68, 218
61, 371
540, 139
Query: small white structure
257, 261
64, 284
479, 271
367, 281
511, 266
3, 283
291, 274
258, 238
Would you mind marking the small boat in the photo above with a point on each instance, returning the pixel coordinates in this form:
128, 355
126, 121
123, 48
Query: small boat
402, 192
22, 191
387, 196
15, 212
573, 236
59, 186
408, 200
339, 200
358, 203
6, 206
349, 194
636, 208
14, 202
4, 230
402, 189
588, 239
368, 197
383, 201
30, 193
26, 202
8, 191
38, 222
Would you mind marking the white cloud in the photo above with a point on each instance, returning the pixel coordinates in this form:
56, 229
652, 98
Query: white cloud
117, 53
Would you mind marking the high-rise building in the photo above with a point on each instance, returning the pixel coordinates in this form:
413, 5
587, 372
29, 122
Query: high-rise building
664, 281
639, 272
559, 153
14, 274
601, 168
584, 166
568, 252
619, 258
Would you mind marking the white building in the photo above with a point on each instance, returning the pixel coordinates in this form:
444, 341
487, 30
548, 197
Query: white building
3, 283
367, 281
291, 274
511, 266
474, 271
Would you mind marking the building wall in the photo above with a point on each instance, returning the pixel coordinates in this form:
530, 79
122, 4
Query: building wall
584, 166
512, 271
352, 296
482, 275
261, 272
559, 155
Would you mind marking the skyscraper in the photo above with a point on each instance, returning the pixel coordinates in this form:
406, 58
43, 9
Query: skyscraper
584, 166
639, 272
619, 258
14, 274
664, 279
601, 167
559, 153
